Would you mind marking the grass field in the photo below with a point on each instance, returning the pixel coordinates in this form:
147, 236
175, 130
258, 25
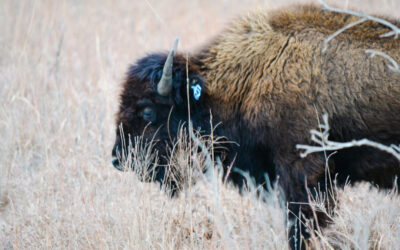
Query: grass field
61, 65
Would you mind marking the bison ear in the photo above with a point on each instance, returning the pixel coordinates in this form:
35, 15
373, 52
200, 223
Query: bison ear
195, 89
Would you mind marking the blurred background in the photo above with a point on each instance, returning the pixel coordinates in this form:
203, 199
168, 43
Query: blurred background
61, 65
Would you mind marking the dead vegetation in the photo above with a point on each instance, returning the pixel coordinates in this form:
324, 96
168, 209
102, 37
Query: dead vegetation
61, 63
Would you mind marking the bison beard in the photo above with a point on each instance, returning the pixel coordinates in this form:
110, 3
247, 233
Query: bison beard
265, 78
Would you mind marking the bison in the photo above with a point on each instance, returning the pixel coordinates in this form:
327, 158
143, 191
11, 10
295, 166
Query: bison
266, 78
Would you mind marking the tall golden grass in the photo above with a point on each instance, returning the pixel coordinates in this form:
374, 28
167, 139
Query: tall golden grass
61, 63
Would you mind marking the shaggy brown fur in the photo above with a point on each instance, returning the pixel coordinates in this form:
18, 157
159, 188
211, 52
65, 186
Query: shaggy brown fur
266, 78
269, 70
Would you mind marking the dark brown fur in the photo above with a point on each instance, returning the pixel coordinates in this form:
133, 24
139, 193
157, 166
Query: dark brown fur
267, 80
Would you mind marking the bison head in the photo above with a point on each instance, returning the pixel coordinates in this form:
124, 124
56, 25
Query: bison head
154, 104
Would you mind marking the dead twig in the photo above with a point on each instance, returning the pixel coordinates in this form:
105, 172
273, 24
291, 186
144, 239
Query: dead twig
321, 138
395, 66
395, 30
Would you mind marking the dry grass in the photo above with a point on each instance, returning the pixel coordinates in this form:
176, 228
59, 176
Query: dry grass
61, 63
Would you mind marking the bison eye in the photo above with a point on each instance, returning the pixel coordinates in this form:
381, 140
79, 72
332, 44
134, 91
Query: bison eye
149, 115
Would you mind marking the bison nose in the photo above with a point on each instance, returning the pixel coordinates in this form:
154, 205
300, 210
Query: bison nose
115, 162
114, 159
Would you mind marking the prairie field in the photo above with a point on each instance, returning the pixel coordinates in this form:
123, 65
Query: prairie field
61, 67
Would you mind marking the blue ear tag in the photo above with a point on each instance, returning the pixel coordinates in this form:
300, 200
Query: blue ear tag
196, 91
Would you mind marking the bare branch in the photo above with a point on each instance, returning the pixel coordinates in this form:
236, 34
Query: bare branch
321, 138
395, 30
348, 26
395, 66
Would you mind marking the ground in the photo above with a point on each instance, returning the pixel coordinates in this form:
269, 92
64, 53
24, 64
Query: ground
61, 65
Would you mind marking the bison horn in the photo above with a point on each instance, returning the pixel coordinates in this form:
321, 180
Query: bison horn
165, 85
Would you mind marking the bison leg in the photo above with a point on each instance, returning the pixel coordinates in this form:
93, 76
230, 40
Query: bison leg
300, 179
